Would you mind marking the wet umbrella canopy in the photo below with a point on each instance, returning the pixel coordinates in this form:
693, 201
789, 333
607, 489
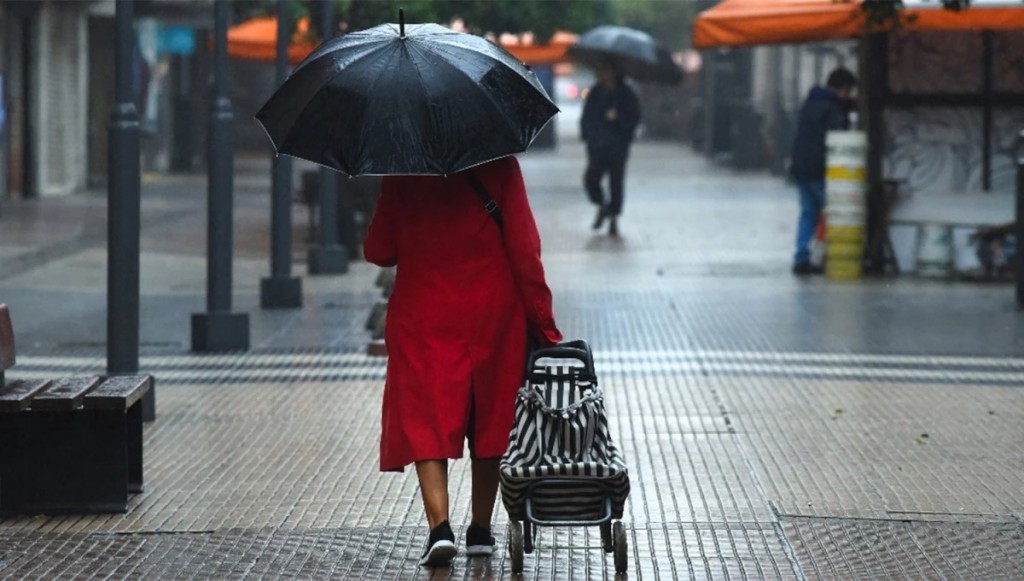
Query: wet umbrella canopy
630, 52
406, 100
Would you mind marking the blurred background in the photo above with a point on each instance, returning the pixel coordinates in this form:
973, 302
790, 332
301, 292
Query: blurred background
949, 103
738, 104
56, 72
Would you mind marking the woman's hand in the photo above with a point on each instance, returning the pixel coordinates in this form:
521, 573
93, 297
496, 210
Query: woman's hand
546, 337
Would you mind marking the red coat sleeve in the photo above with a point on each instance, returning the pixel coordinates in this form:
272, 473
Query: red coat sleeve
522, 243
380, 247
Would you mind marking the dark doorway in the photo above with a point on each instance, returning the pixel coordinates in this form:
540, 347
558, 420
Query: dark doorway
19, 80
101, 95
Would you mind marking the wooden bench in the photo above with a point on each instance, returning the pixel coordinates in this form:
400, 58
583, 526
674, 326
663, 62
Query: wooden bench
68, 445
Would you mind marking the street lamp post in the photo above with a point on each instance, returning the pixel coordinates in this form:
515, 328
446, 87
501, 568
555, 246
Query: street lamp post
1018, 227
329, 257
124, 213
219, 329
281, 290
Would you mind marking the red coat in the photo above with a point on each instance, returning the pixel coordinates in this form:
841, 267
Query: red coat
464, 299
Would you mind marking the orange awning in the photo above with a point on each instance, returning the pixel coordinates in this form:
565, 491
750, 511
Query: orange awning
753, 22
256, 39
543, 54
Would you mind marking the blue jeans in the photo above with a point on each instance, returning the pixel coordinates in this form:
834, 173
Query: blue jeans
812, 202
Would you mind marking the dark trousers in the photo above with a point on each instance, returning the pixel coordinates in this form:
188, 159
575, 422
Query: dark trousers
597, 167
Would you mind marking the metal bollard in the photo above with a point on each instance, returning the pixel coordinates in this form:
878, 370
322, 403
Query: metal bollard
379, 314
329, 257
219, 329
1018, 226
281, 290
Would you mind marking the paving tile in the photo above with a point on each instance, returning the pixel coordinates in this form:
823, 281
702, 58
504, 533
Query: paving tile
774, 427
858, 549
659, 551
881, 449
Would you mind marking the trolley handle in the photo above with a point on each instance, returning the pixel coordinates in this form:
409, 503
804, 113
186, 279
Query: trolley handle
578, 350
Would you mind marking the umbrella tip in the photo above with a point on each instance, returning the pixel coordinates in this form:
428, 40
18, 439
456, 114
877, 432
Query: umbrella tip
401, 23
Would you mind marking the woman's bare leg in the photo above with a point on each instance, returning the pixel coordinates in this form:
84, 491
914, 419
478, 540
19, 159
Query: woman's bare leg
433, 475
485, 490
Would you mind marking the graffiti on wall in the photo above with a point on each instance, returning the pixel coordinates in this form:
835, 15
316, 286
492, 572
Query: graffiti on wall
935, 62
939, 149
1008, 62
1007, 125
934, 149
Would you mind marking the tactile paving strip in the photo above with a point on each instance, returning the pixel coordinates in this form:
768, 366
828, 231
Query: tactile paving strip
865, 549
614, 358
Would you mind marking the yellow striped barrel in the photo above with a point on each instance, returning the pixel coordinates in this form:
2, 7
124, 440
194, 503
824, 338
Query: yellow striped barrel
845, 204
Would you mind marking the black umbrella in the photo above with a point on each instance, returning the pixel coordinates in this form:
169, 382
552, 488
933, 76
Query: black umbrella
398, 100
630, 52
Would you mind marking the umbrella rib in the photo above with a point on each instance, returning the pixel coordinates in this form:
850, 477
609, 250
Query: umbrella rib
500, 55
314, 94
373, 90
441, 57
345, 42
293, 77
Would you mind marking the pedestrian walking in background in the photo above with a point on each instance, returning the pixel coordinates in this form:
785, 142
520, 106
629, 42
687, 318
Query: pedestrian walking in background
469, 290
825, 109
610, 116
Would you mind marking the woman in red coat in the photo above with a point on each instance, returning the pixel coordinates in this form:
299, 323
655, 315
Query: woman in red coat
466, 296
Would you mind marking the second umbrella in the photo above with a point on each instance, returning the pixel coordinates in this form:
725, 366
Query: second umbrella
628, 51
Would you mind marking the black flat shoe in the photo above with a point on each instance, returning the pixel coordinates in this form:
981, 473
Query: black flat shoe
806, 268
479, 541
602, 213
441, 547
613, 228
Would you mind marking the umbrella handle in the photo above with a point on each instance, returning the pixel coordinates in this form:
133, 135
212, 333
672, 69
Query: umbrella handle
401, 23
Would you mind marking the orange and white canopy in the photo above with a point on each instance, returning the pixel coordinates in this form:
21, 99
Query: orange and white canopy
754, 22
256, 39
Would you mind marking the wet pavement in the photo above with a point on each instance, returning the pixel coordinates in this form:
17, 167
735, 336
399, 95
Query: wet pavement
774, 427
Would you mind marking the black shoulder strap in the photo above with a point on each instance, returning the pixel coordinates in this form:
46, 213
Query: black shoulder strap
489, 204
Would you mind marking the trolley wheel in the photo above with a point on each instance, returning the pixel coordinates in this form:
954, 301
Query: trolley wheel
621, 548
515, 546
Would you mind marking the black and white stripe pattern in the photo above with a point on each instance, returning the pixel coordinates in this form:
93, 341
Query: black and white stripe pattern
561, 432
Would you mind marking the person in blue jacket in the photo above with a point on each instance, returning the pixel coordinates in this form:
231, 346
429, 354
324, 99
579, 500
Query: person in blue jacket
825, 108
610, 116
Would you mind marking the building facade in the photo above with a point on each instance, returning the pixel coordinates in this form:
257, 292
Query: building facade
44, 69
57, 79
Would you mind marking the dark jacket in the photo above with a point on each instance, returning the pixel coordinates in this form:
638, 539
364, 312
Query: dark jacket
604, 137
822, 111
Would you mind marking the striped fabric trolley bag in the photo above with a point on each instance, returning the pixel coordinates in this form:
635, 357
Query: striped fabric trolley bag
561, 467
